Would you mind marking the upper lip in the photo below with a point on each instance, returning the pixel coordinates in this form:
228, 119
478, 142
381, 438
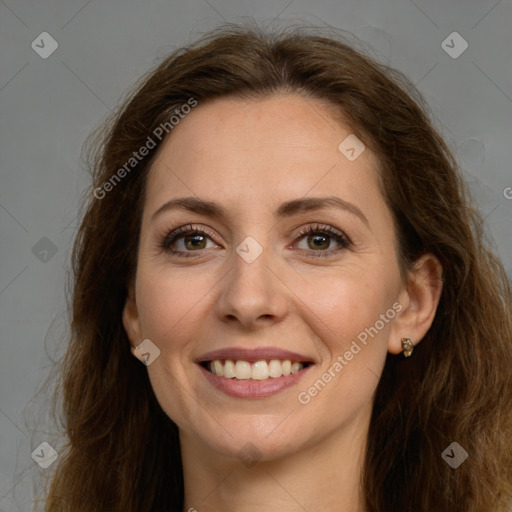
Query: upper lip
252, 355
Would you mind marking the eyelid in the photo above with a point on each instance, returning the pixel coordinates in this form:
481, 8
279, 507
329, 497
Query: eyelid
174, 234
325, 228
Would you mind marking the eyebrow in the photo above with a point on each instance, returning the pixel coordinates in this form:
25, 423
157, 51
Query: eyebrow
286, 209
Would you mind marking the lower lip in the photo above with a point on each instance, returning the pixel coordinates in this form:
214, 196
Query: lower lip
253, 388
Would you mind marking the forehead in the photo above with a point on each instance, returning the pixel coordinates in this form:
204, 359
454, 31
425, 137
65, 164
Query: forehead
279, 146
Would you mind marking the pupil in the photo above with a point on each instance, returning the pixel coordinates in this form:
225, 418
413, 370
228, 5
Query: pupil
317, 243
193, 240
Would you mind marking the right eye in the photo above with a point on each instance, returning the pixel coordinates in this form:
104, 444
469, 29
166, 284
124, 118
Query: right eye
192, 239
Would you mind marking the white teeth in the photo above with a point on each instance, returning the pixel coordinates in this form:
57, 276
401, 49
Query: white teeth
242, 370
229, 369
217, 368
296, 367
259, 370
275, 368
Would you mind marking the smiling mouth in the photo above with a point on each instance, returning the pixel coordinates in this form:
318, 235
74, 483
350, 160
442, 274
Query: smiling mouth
257, 370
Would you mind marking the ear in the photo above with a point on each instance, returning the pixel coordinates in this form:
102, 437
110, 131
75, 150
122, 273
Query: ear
131, 322
419, 299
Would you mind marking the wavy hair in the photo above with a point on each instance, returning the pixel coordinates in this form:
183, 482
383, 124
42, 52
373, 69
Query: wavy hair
122, 451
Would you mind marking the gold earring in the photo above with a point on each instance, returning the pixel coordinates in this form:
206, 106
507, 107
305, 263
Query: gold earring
407, 347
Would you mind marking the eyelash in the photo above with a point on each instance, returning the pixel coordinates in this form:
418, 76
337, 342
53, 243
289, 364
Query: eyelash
341, 238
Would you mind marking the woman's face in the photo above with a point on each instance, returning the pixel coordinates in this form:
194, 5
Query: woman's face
276, 274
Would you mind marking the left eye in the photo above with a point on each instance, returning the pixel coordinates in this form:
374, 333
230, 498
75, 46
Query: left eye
319, 239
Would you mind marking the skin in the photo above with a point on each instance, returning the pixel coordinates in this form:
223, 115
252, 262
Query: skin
249, 156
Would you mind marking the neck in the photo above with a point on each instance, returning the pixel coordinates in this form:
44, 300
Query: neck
323, 476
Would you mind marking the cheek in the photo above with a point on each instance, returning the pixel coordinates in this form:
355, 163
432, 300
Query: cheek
347, 304
352, 339
352, 318
169, 302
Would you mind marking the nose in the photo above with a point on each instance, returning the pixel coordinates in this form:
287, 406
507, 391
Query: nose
252, 293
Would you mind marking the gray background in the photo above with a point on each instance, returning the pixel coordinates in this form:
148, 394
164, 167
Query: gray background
48, 107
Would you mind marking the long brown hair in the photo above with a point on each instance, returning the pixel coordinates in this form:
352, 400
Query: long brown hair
123, 452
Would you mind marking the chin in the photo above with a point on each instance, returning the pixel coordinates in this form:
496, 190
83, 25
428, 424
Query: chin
254, 439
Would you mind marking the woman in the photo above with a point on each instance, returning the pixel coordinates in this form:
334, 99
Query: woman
281, 297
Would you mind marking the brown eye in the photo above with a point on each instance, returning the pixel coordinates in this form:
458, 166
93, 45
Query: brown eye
194, 241
186, 240
319, 240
